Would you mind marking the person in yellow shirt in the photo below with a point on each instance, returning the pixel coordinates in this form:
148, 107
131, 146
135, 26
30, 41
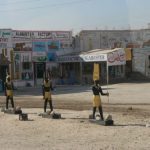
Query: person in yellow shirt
9, 91
47, 96
97, 90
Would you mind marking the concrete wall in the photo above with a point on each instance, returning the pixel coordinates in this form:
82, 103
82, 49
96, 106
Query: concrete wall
101, 39
20, 83
141, 61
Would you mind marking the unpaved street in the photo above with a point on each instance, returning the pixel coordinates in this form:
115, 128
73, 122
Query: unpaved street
128, 104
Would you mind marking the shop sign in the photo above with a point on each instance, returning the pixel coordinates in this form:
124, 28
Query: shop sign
5, 33
51, 56
4, 38
94, 57
53, 35
117, 57
53, 45
23, 46
39, 56
39, 46
69, 59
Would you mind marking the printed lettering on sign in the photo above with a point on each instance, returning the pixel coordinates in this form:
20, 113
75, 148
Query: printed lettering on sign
88, 58
5, 34
39, 46
69, 59
51, 35
116, 58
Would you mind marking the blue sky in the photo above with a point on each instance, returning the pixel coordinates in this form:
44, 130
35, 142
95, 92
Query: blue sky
74, 15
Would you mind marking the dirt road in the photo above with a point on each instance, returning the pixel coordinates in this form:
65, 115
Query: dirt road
128, 104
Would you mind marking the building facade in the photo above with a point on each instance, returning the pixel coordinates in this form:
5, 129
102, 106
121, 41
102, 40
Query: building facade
5, 54
104, 39
141, 61
110, 39
33, 53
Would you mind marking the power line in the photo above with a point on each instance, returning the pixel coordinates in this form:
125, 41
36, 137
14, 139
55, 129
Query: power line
48, 5
18, 2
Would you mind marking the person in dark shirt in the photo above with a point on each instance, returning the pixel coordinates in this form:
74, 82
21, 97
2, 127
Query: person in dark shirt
97, 90
47, 88
9, 91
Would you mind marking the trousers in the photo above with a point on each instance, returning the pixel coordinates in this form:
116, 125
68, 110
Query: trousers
7, 101
50, 104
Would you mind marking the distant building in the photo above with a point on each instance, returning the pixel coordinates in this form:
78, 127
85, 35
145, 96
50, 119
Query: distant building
104, 39
33, 53
110, 39
141, 61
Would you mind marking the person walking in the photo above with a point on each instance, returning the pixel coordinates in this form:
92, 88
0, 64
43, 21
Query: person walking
97, 90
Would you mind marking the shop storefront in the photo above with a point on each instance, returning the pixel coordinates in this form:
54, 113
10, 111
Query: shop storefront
111, 64
69, 69
4, 67
35, 54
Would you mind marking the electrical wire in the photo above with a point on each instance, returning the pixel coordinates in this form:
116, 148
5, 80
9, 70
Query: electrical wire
45, 6
18, 2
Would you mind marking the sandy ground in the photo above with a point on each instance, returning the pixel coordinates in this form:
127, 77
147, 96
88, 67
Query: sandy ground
131, 130
75, 132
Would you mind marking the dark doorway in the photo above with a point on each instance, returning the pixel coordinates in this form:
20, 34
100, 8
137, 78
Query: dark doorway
3, 73
39, 70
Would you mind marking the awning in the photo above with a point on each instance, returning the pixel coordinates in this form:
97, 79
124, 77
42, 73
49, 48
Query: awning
112, 57
93, 56
69, 58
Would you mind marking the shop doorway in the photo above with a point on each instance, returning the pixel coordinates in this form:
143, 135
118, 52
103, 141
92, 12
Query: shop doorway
39, 70
3, 74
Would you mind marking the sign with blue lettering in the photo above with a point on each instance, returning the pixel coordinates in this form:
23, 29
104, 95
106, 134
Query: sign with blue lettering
51, 56
53, 45
39, 46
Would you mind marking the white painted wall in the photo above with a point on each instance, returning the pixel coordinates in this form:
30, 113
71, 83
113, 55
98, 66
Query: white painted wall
102, 39
140, 61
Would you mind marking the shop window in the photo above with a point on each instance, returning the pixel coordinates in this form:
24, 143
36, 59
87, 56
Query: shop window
149, 61
66, 45
122, 68
88, 68
118, 70
112, 71
26, 66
